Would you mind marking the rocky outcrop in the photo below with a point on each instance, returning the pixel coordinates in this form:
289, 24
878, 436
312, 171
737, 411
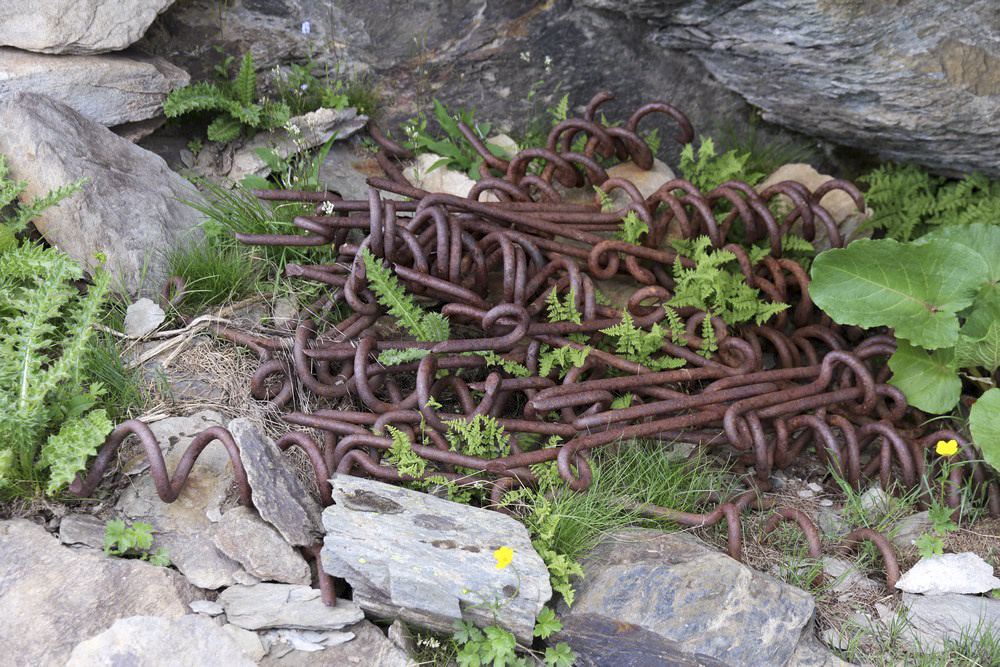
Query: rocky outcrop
676, 594
109, 89
130, 211
428, 561
52, 597
149, 640
913, 81
76, 26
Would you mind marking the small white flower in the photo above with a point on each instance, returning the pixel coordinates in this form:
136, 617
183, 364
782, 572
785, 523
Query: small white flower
292, 129
326, 208
306, 27
526, 56
304, 86
548, 61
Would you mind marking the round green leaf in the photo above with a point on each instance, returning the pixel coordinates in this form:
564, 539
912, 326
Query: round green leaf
984, 422
981, 238
915, 289
929, 380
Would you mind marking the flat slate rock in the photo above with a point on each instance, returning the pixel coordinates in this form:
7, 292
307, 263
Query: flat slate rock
53, 597
50, 145
183, 527
683, 590
599, 641
278, 495
285, 606
246, 538
153, 640
111, 89
369, 648
936, 618
428, 561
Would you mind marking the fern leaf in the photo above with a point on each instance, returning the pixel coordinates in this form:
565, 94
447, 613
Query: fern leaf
200, 96
426, 327
245, 84
401, 356
224, 128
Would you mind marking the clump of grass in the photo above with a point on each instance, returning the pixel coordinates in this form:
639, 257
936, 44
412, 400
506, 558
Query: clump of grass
126, 393
640, 472
215, 274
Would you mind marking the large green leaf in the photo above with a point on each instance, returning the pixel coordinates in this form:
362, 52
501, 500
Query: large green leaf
984, 422
929, 380
979, 340
982, 239
915, 289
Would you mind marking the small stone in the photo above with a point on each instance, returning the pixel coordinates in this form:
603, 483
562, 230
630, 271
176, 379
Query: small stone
964, 573
826, 502
246, 538
833, 638
285, 312
831, 523
285, 606
249, 642
82, 530
876, 502
142, 317
278, 495
441, 179
804, 493
843, 575
369, 646
907, 530
206, 607
815, 487
401, 636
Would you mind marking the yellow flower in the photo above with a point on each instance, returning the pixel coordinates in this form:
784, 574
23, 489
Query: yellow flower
504, 556
947, 447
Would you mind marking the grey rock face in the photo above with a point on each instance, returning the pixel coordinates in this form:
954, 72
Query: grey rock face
916, 81
130, 210
183, 527
285, 606
76, 26
684, 591
278, 494
935, 618
905, 532
52, 597
429, 561
152, 640
949, 573
254, 543
110, 89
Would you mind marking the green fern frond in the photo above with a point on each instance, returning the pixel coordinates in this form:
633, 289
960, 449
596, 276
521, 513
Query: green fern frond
401, 454
425, 327
512, 368
401, 356
565, 310
202, 96
481, 436
245, 84
563, 358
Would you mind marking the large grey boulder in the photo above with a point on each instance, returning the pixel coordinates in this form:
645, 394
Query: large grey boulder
52, 597
428, 561
76, 26
110, 89
914, 81
131, 210
184, 527
152, 641
679, 589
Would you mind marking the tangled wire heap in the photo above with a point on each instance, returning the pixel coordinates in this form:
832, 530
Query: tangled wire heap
519, 268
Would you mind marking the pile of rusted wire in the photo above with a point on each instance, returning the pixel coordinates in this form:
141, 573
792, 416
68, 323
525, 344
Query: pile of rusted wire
798, 385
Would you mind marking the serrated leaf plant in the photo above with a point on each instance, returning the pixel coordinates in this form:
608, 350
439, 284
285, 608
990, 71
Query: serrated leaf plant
234, 105
941, 296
